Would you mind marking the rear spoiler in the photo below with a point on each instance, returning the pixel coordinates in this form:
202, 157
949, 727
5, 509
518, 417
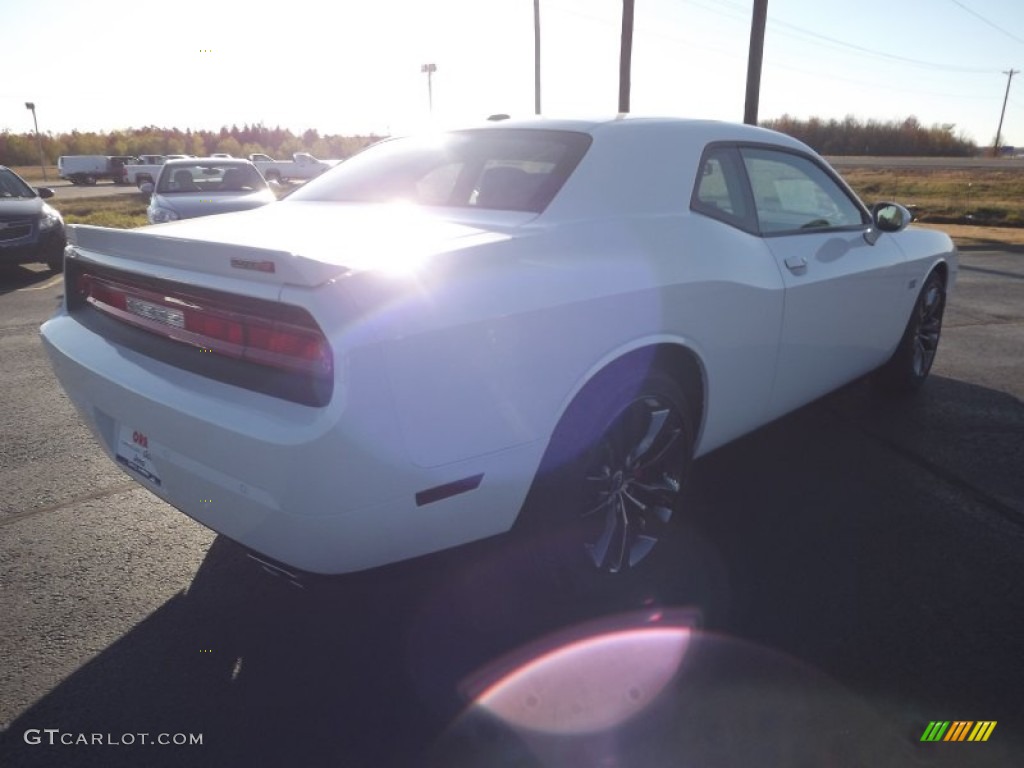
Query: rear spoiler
264, 265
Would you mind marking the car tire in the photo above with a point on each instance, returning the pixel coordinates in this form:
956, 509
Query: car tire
602, 519
56, 263
90, 181
910, 364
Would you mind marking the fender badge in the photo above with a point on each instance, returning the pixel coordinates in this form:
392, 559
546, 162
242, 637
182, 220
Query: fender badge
255, 266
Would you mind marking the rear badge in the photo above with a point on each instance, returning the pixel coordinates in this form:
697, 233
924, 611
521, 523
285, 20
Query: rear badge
255, 266
164, 315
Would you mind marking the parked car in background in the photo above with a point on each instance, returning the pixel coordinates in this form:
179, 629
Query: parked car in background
303, 166
528, 325
146, 170
30, 229
195, 187
88, 169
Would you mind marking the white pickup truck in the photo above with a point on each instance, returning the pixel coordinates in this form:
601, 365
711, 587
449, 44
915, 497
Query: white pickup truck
302, 166
88, 169
147, 169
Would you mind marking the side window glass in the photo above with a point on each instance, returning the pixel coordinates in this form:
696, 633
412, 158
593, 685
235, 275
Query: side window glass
718, 191
792, 193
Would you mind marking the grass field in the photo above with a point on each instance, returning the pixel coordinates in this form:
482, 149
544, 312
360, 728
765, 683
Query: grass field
982, 196
120, 211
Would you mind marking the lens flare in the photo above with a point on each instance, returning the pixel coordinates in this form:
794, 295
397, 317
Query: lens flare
591, 684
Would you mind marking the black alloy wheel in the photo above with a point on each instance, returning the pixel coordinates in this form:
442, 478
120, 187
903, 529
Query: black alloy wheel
913, 359
633, 482
604, 512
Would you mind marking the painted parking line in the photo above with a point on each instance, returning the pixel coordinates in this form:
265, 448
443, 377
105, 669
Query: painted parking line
48, 284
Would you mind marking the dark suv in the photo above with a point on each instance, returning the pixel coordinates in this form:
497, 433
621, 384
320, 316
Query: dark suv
30, 230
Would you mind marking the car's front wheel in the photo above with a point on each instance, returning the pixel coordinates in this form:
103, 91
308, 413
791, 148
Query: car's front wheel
910, 364
604, 511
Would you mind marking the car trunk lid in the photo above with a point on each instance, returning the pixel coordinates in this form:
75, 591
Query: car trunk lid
301, 243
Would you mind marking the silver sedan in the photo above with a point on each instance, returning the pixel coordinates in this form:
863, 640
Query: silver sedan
195, 187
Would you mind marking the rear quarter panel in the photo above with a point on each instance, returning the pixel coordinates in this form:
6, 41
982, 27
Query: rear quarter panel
486, 351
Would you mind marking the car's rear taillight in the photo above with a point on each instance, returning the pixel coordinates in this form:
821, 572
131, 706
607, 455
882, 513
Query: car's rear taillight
279, 336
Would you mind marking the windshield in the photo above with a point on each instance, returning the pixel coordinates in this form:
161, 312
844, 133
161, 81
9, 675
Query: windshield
513, 170
210, 177
11, 185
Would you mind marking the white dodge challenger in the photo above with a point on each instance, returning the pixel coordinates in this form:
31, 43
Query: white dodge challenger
528, 324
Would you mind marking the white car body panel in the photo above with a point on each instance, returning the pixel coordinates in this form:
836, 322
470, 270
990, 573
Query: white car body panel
460, 338
842, 311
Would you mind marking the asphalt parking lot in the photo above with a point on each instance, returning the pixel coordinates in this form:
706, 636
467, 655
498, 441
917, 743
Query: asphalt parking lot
856, 568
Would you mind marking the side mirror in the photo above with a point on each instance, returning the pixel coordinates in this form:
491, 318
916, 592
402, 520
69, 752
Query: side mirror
887, 217
146, 188
44, 192
891, 217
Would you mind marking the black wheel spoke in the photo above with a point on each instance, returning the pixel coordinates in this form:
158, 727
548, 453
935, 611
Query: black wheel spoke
606, 501
648, 462
610, 551
656, 423
598, 551
632, 486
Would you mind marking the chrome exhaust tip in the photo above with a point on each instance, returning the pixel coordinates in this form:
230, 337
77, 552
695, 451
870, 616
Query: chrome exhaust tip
276, 569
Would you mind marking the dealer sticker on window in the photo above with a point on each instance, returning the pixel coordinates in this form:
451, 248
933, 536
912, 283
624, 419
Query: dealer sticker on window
132, 452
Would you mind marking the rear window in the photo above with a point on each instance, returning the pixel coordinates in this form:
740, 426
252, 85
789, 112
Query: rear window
210, 177
513, 170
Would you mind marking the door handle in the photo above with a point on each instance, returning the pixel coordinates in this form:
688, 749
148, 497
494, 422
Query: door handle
796, 263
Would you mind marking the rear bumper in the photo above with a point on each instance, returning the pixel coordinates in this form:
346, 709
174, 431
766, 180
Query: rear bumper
327, 490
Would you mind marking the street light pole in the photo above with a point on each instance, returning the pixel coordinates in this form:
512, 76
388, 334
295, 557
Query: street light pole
536, 57
430, 69
39, 139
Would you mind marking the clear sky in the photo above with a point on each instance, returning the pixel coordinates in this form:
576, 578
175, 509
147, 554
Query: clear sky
354, 67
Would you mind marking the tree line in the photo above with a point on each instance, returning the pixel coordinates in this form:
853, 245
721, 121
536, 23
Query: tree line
23, 149
828, 137
873, 137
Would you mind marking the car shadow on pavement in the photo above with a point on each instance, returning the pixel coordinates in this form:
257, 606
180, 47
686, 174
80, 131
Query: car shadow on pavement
17, 277
876, 542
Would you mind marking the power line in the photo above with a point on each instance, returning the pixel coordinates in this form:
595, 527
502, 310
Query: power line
722, 4
990, 23
884, 54
876, 85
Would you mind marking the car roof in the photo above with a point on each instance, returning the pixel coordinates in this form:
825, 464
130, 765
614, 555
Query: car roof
702, 130
208, 161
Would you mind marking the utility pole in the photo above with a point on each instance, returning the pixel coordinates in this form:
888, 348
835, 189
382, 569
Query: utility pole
999, 131
625, 55
754, 61
39, 139
430, 69
536, 57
